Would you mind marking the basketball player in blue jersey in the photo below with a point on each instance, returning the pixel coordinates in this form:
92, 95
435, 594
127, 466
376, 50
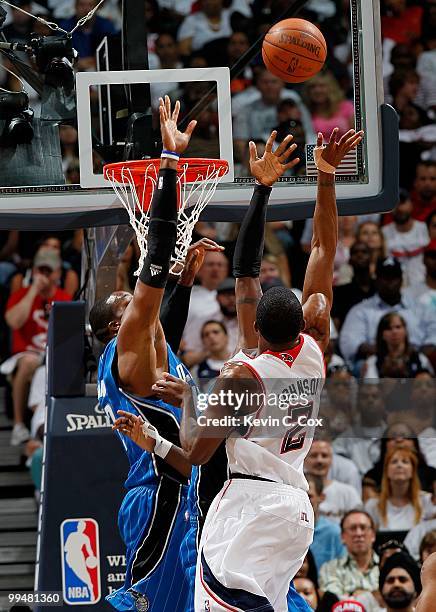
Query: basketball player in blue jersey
152, 516
208, 479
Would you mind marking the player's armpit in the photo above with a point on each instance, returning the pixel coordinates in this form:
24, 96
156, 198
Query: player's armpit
316, 312
218, 413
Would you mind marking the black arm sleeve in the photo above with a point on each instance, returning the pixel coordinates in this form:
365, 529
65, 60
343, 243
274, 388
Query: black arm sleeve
162, 230
250, 242
174, 313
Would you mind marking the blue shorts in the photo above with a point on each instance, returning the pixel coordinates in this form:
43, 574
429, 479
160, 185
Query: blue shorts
153, 525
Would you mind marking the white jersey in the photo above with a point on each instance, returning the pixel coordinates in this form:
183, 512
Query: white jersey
278, 438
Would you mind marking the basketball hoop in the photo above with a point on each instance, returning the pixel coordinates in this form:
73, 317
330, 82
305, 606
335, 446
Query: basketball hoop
134, 183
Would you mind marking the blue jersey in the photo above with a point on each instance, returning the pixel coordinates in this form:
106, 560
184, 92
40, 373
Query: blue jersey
152, 517
145, 468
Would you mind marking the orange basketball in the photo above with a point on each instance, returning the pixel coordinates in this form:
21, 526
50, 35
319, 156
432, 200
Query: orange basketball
294, 50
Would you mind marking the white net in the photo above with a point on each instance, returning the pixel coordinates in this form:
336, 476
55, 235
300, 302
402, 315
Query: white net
193, 198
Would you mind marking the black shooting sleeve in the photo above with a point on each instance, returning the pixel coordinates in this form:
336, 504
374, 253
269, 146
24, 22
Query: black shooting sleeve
251, 238
174, 314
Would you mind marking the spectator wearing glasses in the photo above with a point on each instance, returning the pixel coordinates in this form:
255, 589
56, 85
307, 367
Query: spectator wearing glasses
357, 570
27, 313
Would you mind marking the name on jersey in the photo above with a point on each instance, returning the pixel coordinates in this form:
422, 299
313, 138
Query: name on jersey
250, 420
303, 387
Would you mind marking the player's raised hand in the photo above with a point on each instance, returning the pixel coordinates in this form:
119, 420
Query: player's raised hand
272, 165
172, 138
170, 389
195, 257
335, 151
132, 426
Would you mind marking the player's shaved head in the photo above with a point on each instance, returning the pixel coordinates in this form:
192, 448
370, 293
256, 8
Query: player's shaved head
279, 316
107, 311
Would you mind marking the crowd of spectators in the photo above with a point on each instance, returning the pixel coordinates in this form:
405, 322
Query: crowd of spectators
372, 468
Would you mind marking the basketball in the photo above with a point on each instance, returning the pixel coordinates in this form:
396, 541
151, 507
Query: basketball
91, 562
294, 50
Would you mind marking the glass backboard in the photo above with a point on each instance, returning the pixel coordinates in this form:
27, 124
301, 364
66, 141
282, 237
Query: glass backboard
231, 109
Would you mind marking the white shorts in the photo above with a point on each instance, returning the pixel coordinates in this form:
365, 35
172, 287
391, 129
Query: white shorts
254, 541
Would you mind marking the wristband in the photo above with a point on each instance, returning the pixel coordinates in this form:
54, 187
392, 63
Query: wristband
170, 155
162, 446
321, 163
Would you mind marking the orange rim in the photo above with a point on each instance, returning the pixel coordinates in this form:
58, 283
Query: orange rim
190, 168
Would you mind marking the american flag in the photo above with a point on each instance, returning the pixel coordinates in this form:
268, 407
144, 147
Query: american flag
346, 167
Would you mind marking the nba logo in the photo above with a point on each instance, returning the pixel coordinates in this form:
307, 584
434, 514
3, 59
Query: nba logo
80, 561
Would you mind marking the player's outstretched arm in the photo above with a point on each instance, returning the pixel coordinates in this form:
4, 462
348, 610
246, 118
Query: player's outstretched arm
174, 312
141, 345
249, 246
148, 438
318, 283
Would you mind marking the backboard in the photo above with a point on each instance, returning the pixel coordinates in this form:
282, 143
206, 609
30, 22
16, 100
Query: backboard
368, 182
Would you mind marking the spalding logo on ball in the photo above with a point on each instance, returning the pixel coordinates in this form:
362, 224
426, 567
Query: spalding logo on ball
294, 50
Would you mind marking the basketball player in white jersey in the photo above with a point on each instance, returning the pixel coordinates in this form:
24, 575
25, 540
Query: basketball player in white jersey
259, 527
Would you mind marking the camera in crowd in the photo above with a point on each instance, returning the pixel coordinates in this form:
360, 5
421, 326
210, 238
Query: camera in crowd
14, 109
55, 56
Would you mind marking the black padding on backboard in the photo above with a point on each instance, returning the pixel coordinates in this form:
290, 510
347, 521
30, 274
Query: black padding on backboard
66, 350
84, 472
36, 163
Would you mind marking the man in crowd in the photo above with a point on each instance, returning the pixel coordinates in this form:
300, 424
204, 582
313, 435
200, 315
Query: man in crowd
87, 38
27, 313
357, 570
424, 192
339, 498
258, 117
204, 305
425, 291
360, 441
406, 238
357, 336
400, 583
360, 288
